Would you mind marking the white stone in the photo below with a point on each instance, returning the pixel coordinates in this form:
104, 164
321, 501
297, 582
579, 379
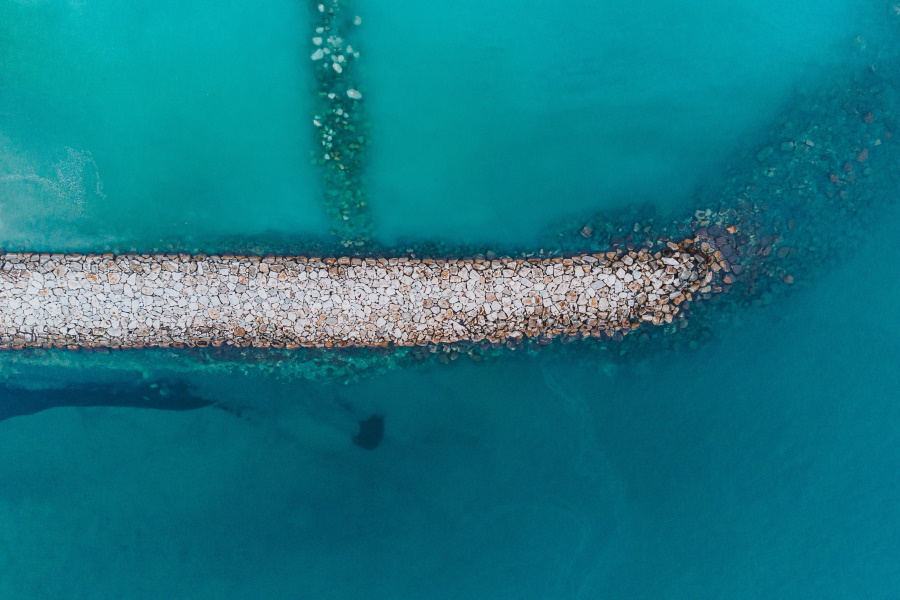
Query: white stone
354, 94
453, 301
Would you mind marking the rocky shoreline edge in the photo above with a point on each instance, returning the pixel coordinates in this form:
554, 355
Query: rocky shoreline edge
178, 300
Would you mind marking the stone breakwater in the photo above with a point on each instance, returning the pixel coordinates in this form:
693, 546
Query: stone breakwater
183, 300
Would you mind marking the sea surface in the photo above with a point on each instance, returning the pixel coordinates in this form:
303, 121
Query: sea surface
760, 460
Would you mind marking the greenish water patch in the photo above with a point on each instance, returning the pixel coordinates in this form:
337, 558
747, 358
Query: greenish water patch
492, 119
130, 126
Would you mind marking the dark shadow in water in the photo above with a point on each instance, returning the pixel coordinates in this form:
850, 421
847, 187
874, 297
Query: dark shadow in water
371, 432
157, 395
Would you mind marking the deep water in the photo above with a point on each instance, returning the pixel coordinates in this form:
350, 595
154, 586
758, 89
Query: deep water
760, 460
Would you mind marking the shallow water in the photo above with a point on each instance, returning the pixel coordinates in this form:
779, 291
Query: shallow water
494, 119
758, 463
135, 126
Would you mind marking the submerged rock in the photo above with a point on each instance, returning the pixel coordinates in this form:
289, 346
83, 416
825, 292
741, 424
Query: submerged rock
371, 432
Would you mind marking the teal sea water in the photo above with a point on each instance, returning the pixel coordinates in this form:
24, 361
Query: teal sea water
761, 462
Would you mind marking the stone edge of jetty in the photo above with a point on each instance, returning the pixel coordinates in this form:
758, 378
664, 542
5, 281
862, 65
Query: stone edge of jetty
176, 300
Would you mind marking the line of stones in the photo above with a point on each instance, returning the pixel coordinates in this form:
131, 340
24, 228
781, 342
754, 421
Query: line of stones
340, 128
135, 301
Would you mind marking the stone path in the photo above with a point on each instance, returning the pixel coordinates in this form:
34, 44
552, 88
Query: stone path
174, 300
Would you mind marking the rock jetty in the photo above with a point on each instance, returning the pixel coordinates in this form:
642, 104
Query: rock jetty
290, 301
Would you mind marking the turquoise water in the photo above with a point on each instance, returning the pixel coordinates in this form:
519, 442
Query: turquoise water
759, 462
135, 127
595, 105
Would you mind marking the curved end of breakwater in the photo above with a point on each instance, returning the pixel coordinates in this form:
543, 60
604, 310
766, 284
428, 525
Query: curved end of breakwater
176, 300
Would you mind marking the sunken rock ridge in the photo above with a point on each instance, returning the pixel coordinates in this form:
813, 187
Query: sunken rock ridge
132, 301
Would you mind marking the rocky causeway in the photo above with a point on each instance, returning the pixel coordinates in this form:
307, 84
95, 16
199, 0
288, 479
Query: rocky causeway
171, 300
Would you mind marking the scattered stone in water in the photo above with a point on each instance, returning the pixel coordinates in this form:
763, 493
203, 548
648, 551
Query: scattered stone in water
765, 153
354, 94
